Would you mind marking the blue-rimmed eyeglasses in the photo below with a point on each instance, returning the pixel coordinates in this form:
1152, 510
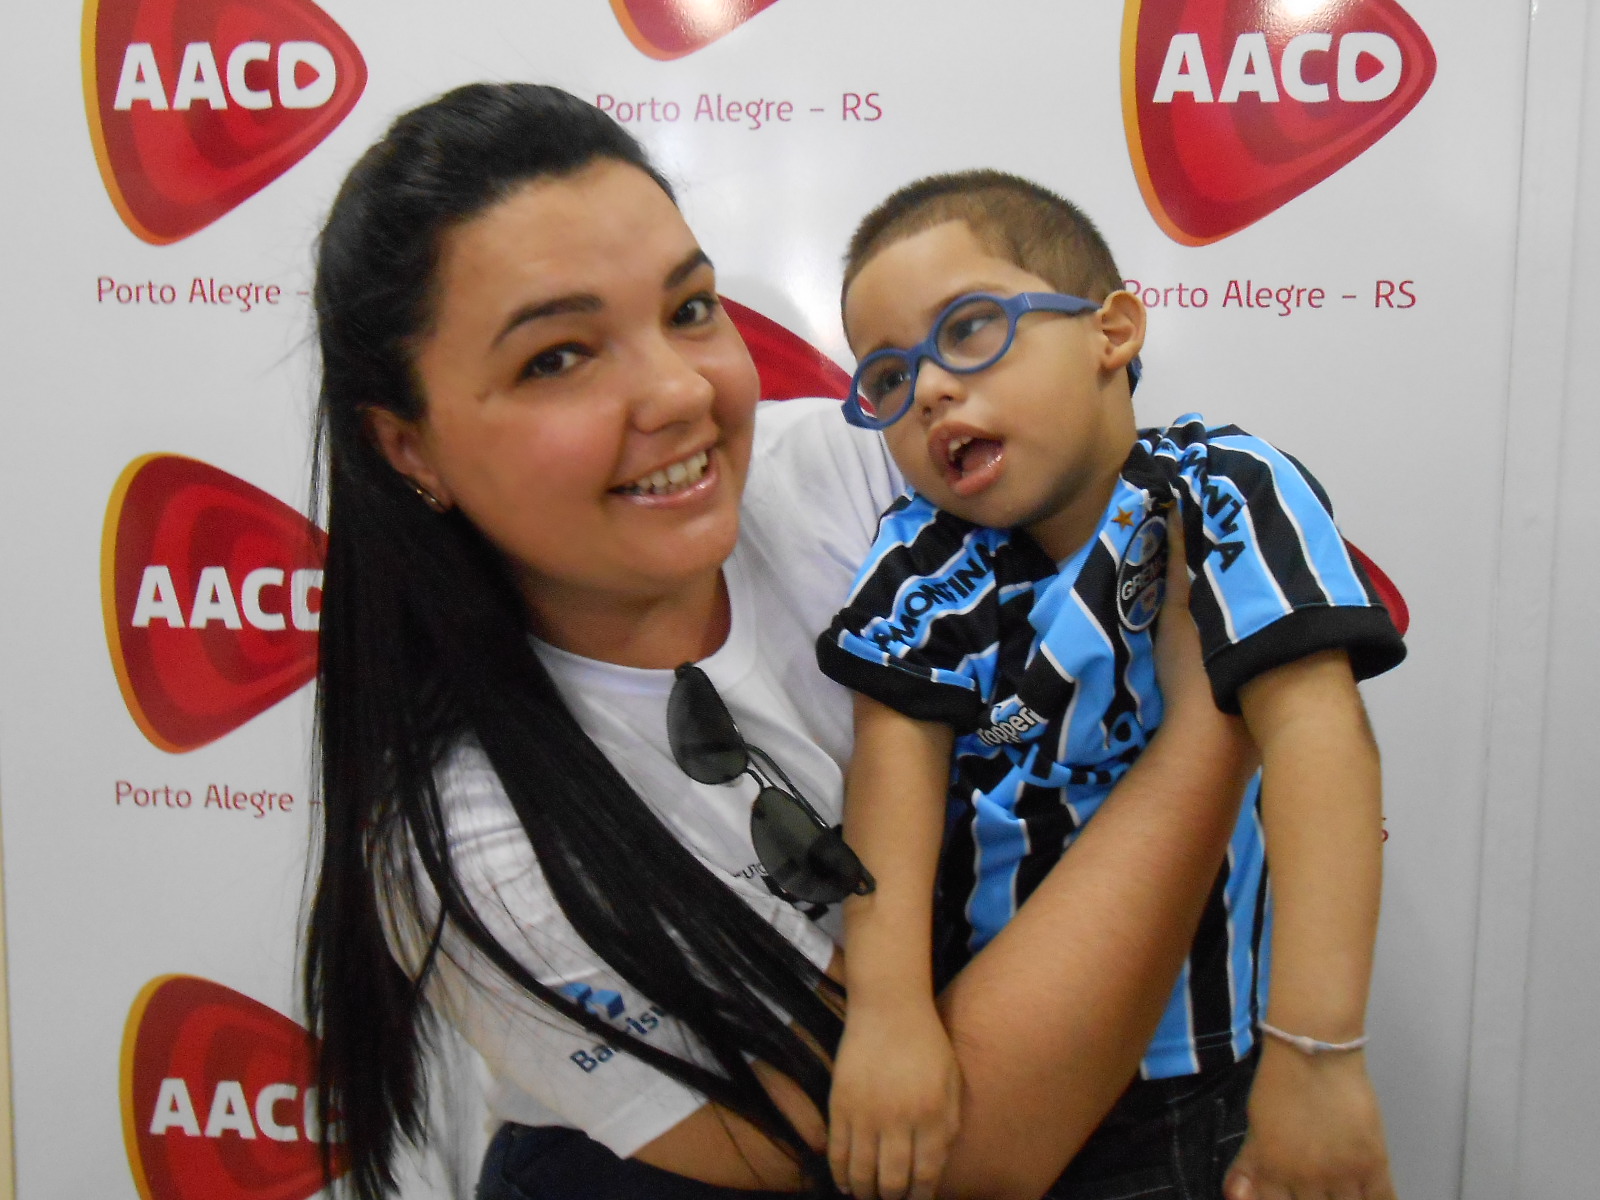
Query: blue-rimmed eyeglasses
972, 333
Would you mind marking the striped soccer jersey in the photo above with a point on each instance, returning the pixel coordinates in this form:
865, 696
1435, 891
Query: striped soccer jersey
1047, 675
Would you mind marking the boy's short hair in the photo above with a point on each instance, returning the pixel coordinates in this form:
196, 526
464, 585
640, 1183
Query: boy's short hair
1012, 217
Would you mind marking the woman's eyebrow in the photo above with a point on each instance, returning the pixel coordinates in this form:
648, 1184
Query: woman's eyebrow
578, 302
692, 262
588, 302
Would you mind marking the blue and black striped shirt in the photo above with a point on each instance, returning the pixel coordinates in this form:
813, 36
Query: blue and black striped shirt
1046, 673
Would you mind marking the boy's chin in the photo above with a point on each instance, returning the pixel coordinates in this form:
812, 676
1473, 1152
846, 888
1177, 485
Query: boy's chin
983, 510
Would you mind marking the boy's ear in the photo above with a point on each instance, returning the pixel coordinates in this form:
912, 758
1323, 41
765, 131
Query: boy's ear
404, 445
1122, 320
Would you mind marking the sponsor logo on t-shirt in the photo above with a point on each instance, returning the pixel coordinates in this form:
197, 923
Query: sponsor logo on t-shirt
1235, 108
1010, 723
960, 580
608, 1006
602, 1002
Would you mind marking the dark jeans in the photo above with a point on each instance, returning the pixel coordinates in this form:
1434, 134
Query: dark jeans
1169, 1139
1165, 1139
553, 1163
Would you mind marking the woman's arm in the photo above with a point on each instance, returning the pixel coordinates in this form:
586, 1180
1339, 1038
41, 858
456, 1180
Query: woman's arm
1050, 1020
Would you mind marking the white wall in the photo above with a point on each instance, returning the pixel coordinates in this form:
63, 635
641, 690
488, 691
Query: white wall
1532, 1127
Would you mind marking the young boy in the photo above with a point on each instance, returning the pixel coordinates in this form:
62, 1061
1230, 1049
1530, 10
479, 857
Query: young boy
999, 638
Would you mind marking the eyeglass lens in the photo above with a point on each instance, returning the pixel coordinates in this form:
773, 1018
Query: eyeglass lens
973, 334
969, 337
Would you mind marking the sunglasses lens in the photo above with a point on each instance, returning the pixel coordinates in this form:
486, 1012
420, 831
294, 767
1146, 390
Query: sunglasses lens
704, 740
802, 857
805, 858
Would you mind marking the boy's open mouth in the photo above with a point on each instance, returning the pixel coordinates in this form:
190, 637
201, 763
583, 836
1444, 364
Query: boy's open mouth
969, 462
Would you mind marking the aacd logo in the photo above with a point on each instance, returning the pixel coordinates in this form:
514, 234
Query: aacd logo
789, 365
1235, 107
668, 29
196, 105
211, 591
217, 1099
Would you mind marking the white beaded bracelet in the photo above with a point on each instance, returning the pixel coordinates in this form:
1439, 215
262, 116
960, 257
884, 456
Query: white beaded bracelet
1311, 1046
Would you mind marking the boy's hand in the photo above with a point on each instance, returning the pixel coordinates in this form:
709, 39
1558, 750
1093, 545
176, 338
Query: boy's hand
1315, 1131
894, 1107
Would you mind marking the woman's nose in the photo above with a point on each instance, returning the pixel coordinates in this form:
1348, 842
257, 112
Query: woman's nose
671, 387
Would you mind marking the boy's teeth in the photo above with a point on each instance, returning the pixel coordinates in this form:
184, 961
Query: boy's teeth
956, 446
672, 478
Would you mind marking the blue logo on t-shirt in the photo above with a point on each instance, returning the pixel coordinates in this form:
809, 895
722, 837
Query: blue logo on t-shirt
608, 1006
602, 1002
1142, 575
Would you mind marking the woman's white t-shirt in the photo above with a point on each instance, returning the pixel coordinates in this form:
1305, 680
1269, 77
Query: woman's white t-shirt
810, 510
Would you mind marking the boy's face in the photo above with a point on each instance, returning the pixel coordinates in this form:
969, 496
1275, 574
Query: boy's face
1034, 441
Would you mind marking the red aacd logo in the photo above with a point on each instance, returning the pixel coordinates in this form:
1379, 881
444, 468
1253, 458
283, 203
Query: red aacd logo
1235, 107
789, 365
211, 591
196, 105
673, 28
217, 1097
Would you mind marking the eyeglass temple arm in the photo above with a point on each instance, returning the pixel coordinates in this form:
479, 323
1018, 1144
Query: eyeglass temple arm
1055, 302
1029, 304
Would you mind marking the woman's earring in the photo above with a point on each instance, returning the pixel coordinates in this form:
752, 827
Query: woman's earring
428, 498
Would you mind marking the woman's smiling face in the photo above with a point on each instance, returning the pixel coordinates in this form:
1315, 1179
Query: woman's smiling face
588, 403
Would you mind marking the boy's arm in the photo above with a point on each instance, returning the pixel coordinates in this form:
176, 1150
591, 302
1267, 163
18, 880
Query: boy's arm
896, 1087
1315, 1125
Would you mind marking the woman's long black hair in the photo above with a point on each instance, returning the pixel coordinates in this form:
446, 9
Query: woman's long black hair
424, 645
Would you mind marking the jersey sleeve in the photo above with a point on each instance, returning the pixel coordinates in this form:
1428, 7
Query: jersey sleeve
1272, 578
920, 631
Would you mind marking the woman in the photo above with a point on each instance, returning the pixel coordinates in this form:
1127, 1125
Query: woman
537, 425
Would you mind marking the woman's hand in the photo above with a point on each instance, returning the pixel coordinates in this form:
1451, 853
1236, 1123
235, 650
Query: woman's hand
893, 1110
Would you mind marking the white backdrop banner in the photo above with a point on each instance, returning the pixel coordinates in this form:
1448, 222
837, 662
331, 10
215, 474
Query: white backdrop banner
1315, 198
